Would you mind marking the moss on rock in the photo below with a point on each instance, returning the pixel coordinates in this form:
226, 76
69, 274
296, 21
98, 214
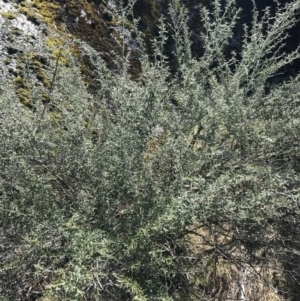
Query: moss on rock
24, 95
8, 15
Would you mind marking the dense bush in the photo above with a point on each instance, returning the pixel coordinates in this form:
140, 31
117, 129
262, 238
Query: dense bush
173, 187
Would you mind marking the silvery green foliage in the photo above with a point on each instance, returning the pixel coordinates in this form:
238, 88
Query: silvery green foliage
100, 193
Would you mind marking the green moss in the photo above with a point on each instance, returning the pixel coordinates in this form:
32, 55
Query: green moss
41, 75
46, 83
31, 15
18, 80
24, 96
44, 97
38, 10
45, 6
8, 15
54, 118
61, 55
53, 42
37, 64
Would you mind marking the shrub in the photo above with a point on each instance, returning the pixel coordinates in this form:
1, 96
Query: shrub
155, 189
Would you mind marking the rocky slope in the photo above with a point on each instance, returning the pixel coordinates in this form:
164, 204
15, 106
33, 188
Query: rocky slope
98, 23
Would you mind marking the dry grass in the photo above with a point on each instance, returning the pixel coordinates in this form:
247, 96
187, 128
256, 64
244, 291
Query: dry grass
224, 271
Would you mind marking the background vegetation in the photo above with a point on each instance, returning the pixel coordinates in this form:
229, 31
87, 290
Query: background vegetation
174, 186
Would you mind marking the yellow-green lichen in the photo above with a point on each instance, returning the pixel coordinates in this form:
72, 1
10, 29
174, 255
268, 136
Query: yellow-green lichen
61, 56
56, 46
54, 118
24, 95
53, 42
31, 14
45, 97
8, 15
18, 80
41, 11
41, 76
45, 6
36, 64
